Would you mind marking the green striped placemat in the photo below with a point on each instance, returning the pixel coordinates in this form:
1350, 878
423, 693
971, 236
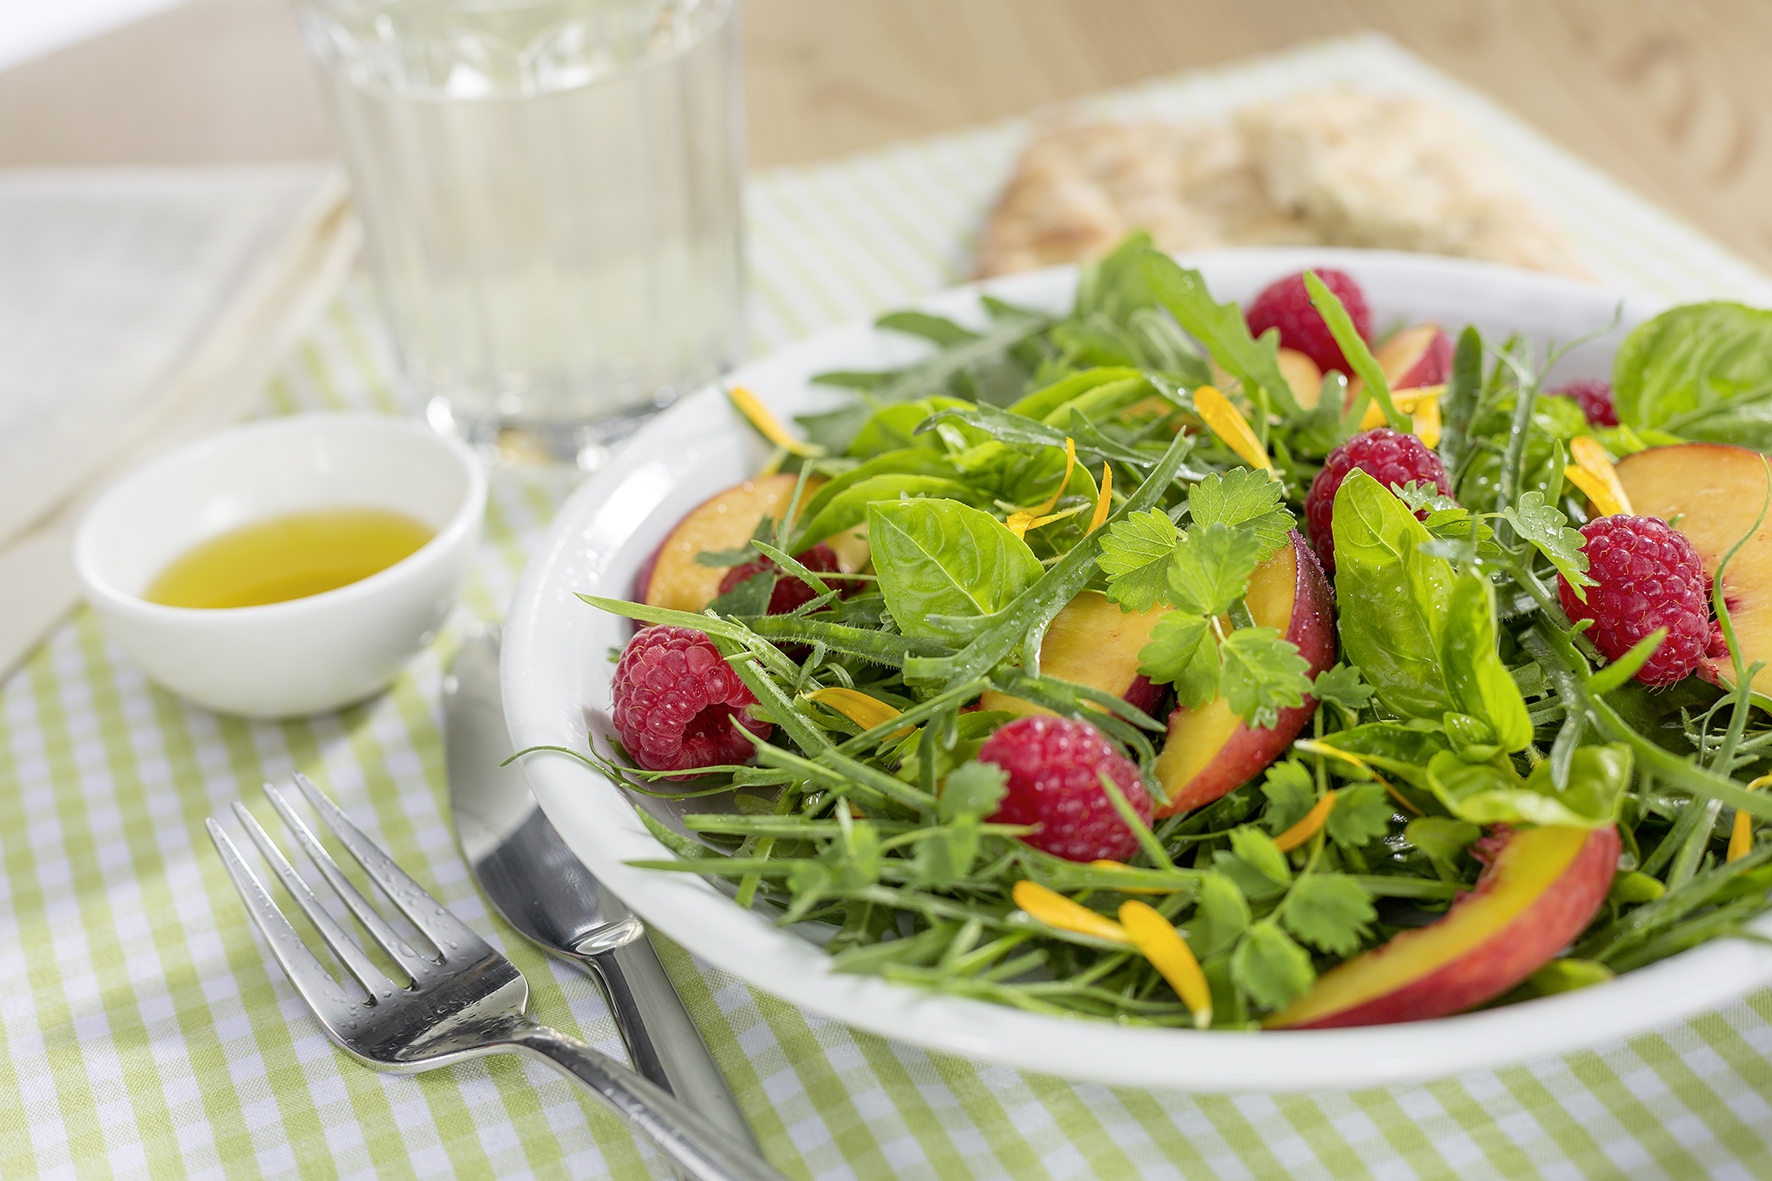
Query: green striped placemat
143, 1034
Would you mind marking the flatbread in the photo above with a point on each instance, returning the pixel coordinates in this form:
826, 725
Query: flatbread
1341, 167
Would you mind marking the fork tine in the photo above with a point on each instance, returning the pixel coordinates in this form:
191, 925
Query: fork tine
342, 945
313, 982
416, 964
430, 916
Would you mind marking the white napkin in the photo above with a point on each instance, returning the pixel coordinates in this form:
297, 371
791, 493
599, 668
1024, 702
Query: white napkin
139, 308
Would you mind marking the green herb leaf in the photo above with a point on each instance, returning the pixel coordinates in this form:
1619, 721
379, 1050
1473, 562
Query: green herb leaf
1220, 917
1441, 838
1270, 967
1135, 556
941, 561
1391, 598
1475, 677
1290, 792
1263, 673
1487, 793
1241, 497
1222, 329
1545, 526
1257, 850
1361, 815
1211, 568
1329, 911
1703, 370
1182, 651
947, 854
1341, 686
973, 789
849, 507
1354, 348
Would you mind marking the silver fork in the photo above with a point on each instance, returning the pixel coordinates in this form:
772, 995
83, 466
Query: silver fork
467, 1002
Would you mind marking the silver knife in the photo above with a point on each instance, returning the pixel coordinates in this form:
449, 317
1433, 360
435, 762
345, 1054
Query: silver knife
545, 892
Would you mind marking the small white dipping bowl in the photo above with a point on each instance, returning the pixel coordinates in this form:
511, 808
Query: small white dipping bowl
302, 656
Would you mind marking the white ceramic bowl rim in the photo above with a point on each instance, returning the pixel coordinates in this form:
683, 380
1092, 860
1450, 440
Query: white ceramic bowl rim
555, 678
464, 517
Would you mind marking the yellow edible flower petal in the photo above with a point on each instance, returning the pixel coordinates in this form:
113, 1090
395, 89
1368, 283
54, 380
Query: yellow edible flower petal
1601, 478
1741, 837
1422, 404
1070, 462
1317, 748
1307, 828
1232, 429
1041, 514
1105, 502
769, 426
866, 712
1170, 955
1055, 910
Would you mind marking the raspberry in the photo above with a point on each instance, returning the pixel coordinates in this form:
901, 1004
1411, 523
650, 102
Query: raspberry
1388, 457
675, 698
1286, 305
789, 591
1054, 766
1594, 397
1648, 576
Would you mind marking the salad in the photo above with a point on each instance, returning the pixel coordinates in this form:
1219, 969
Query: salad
1184, 664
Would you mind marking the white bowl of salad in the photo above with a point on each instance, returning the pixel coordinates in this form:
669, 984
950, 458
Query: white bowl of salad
1269, 669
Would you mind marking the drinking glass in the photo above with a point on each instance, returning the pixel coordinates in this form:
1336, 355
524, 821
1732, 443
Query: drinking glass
550, 193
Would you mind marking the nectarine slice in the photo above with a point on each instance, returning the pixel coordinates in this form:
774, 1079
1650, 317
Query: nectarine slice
1540, 892
1713, 492
1302, 376
1092, 642
724, 521
1413, 357
1210, 750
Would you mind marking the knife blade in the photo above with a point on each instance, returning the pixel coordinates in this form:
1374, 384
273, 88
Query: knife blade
543, 890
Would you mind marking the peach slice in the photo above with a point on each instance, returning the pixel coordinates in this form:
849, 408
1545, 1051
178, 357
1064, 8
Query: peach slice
1539, 893
1209, 749
1302, 375
1417, 356
1092, 642
672, 577
1713, 492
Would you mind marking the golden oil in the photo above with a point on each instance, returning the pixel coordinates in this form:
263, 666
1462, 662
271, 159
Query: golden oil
288, 557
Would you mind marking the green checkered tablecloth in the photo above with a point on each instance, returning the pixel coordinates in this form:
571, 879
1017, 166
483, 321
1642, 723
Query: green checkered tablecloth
143, 1034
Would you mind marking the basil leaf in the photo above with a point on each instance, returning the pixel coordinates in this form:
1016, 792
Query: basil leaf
1392, 598
894, 428
1703, 371
1475, 676
941, 558
1489, 793
1044, 401
849, 507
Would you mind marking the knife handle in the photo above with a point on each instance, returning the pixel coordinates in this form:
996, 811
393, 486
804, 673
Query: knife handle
662, 1041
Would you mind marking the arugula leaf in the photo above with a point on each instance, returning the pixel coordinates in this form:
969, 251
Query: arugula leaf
1135, 556
1703, 370
972, 789
1270, 967
1489, 793
1361, 815
940, 561
1330, 911
1354, 348
1391, 598
1545, 526
1341, 686
1182, 651
1463, 390
1045, 400
1475, 677
1290, 792
1241, 497
1263, 673
1211, 567
1224, 332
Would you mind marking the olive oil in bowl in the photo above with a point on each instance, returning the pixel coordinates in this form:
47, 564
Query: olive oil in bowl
288, 557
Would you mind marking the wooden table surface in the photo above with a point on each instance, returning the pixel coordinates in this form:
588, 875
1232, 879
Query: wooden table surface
1671, 96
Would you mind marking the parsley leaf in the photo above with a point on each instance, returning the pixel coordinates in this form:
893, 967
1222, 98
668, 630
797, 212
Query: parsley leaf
1290, 793
1545, 526
947, 854
1341, 686
1211, 568
1220, 917
972, 789
1419, 494
1135, 557
1362, 814
1269, 967
1181, 651
1329, 911
1243, 497
1263, 674
1257, 850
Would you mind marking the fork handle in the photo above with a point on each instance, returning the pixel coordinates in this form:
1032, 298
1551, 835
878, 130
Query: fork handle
700, 1147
